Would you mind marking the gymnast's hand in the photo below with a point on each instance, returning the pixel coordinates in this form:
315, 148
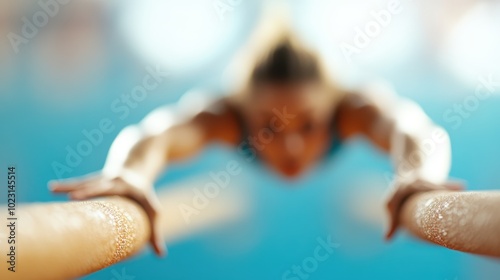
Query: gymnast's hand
402, 190
99, 184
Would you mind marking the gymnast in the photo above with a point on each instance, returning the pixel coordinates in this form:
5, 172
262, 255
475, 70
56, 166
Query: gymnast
286, 93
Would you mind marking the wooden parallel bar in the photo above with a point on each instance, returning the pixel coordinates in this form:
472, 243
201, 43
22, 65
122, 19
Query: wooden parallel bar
463, 221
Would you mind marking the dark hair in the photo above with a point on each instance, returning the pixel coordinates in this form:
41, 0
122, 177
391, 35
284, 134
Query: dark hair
286, 62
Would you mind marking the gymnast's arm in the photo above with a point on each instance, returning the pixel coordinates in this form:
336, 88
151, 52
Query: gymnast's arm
419, 149
140, 152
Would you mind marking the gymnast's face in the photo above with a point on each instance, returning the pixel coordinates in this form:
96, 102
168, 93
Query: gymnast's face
289, 125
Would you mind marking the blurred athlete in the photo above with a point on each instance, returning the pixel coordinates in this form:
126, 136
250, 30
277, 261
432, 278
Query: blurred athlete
289, 115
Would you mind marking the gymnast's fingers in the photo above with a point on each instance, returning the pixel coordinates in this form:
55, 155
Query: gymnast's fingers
396, 200
403, 192
454, 185
68, 185
394, 203
90, 191
156, 239
392, 208
151, 204
61, 188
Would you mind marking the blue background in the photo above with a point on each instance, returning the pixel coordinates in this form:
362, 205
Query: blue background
285, 218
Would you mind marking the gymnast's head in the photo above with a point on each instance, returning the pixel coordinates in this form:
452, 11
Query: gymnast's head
288, 107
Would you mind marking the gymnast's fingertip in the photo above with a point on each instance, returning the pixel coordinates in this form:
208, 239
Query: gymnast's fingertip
390, 233
162, 253
456, 185
73, 196
160, 250
387, 237
54, 188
